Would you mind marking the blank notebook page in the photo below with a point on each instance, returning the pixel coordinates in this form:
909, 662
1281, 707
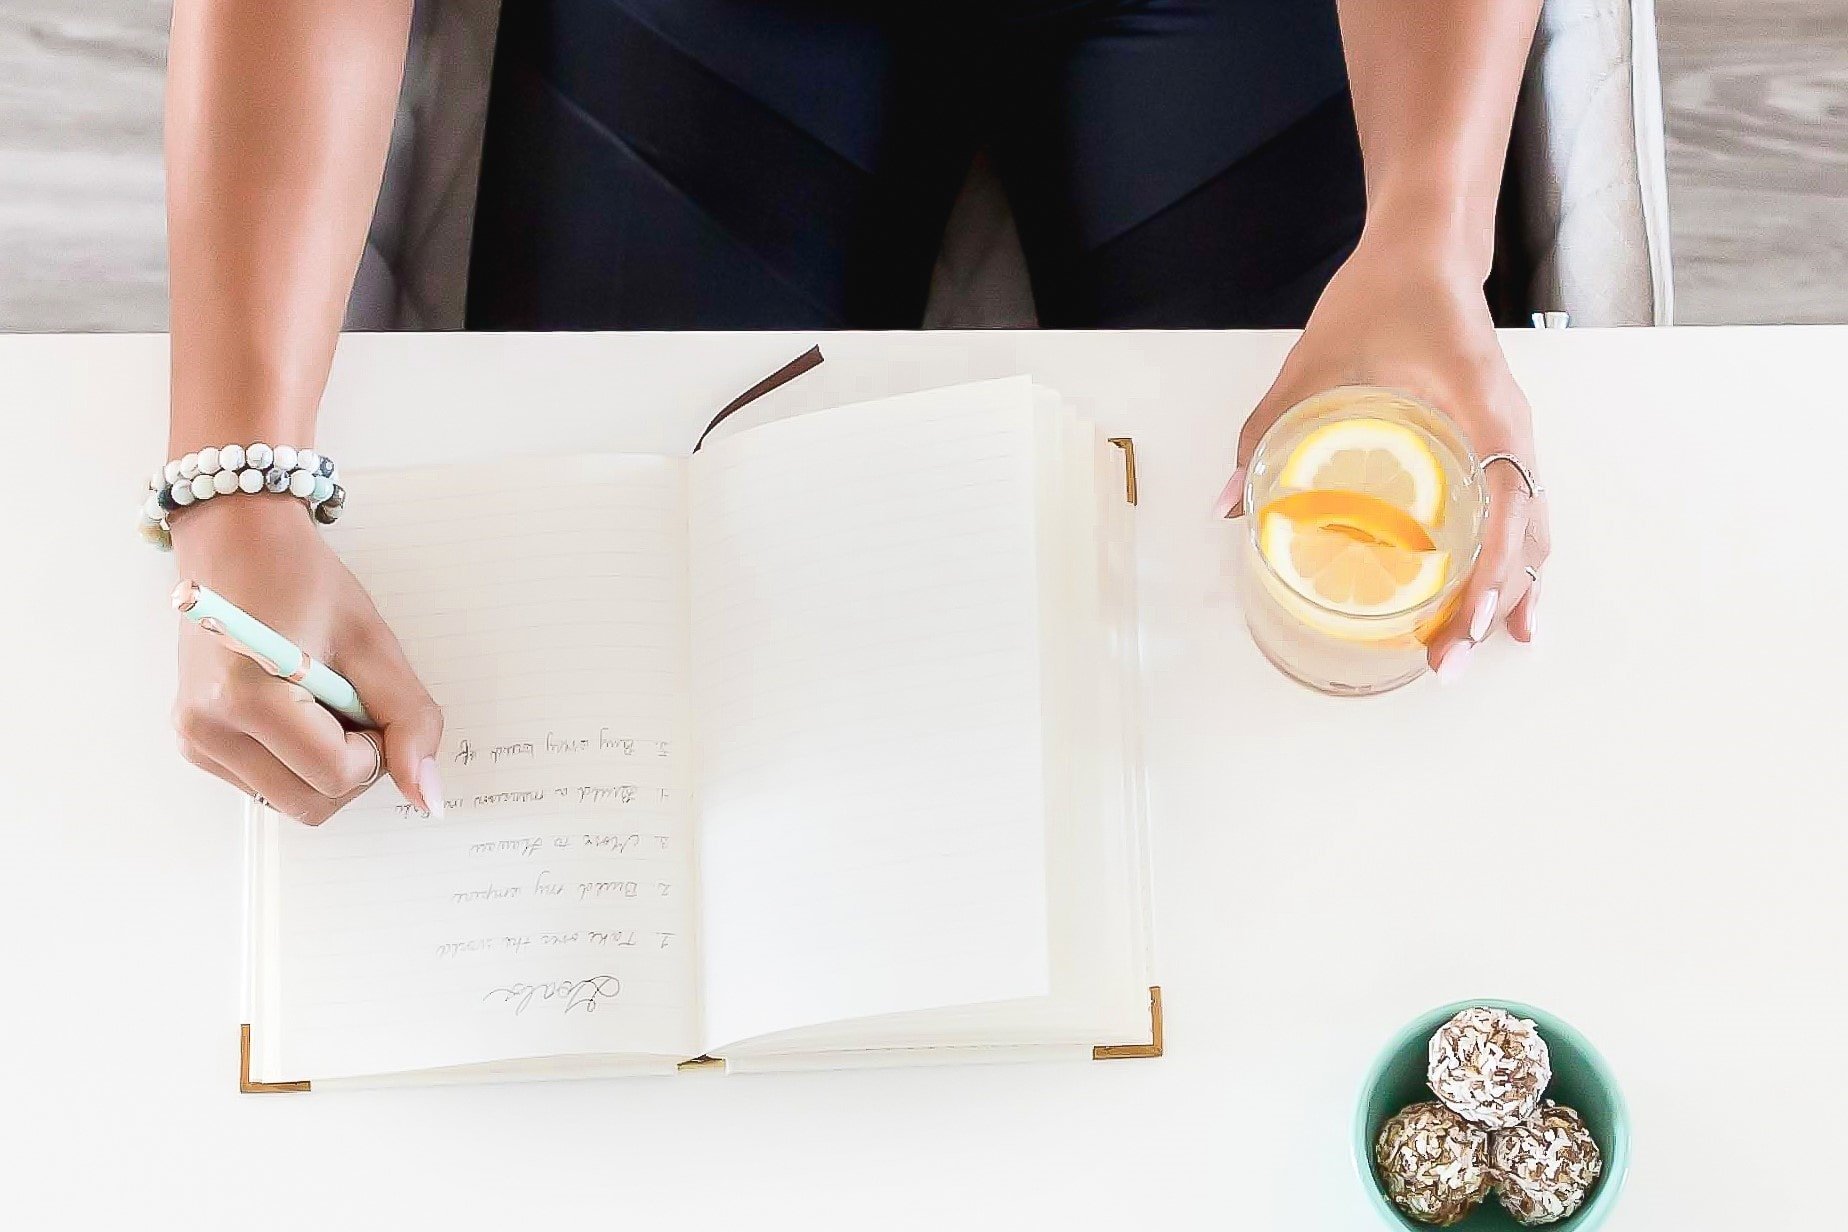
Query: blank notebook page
552, 910
866, 682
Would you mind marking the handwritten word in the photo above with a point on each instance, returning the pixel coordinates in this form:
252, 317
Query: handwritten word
619, 889
619, 937
623, 844
543, 887
482, 945
507, 846
618, 794
513, 750
619, 843
518, 944
601, 889
485, 894
557, 744
565, 744
527, 845
627, 745
498, 798
581, 994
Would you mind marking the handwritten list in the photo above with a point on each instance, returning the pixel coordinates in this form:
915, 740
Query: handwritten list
551, 912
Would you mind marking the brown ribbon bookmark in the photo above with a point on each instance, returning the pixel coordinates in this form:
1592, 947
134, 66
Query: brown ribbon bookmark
782, 376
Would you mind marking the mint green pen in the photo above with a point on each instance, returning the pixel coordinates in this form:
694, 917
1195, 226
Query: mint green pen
273, 652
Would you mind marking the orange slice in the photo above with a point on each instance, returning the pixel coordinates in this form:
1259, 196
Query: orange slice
1353, 553
1355, 514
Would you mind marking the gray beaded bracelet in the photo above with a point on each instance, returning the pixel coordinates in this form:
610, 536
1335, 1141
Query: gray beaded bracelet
248, 469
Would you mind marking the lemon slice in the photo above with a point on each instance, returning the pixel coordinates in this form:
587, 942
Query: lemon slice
1375, 457
1350, 552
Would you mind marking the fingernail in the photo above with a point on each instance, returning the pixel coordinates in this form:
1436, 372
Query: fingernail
430, 787
1230, 495
1454, 661
1485, 615
1533, 608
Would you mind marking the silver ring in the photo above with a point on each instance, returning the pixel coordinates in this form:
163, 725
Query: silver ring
261, 802
1527, 477
1533, 574
378, 761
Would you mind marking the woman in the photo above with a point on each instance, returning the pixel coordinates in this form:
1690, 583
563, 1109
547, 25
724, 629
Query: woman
726, 164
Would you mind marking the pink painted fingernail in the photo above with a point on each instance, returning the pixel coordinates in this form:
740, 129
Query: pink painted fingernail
1485, 615
430, 787
1451, 666
1230, 495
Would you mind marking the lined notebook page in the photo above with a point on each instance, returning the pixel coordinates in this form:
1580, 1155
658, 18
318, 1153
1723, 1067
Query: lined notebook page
866, 683
552, 910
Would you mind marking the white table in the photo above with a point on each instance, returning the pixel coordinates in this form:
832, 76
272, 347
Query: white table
1677, 730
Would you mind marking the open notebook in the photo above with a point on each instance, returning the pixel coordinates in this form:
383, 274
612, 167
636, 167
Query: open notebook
815, 748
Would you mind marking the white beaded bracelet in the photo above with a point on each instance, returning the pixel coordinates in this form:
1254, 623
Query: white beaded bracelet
249, 469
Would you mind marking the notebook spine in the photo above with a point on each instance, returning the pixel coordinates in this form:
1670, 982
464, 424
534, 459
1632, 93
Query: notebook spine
254, 855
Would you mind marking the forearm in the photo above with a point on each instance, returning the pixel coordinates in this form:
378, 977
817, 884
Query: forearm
278, 118
1434, 85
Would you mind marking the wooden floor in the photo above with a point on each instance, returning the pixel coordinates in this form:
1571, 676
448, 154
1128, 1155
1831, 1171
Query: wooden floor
1756, 100
82, 227
1756, 94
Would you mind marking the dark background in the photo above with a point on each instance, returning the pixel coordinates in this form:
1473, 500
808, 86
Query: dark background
1756, 94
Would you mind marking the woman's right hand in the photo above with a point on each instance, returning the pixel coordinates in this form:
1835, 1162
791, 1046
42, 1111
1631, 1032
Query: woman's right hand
261, 734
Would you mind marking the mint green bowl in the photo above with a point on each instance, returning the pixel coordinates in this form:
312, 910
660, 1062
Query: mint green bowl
1581, 1080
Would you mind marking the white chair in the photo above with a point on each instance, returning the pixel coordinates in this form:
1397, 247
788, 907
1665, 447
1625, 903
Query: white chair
1590, 185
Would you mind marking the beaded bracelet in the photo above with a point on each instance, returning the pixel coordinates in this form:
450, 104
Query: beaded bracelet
249, 469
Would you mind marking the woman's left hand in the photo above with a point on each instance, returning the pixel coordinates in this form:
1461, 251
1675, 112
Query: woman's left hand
1397, 315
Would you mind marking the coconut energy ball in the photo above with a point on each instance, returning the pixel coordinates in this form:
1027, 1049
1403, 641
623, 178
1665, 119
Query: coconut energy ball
1433, 1163
1488, 1066
1544, 1167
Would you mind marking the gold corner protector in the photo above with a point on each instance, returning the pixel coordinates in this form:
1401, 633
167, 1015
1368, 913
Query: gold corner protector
244, 1084
701, 1062
1118, 1052
1128, 446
